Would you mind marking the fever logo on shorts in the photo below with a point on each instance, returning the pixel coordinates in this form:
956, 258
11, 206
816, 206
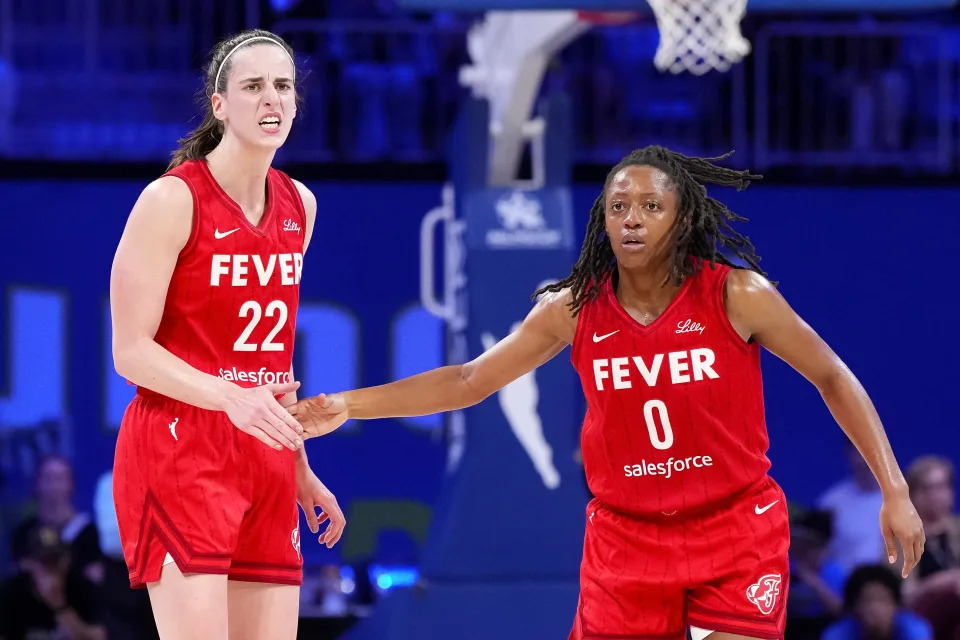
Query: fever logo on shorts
764, 593
295, 540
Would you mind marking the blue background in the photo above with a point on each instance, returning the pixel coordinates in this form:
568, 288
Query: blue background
871, 269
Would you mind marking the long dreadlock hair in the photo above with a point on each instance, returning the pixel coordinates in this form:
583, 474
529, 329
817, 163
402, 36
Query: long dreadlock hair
702, 228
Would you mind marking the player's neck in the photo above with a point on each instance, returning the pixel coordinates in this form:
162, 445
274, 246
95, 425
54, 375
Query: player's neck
242, 173
650, 290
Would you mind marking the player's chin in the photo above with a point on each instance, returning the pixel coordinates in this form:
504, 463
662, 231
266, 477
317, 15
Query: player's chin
272, 140
632, 259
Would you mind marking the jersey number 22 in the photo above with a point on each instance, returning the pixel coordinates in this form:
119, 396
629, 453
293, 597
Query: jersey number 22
252, 308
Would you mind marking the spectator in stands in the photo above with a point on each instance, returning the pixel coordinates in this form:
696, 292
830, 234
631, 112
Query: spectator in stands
873, 603
47, 599
816, 583
126, 611
53, 490
855, 504
933, 589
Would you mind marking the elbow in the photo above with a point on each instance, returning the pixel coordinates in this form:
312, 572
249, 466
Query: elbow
120, 361
834, 380
471, 392
124, 357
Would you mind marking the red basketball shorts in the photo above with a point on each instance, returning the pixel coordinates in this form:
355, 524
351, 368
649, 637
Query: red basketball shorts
189, 483
724, 569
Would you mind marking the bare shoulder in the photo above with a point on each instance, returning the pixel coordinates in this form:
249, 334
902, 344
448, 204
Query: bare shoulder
552, 311
157, 230
168, 191
163, 212
746, 282
753, 303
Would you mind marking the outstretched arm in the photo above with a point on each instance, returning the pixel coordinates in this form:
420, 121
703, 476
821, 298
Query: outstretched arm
758, 311
543, 334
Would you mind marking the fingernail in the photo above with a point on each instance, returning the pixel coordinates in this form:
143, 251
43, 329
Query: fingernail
278, 447
890, 558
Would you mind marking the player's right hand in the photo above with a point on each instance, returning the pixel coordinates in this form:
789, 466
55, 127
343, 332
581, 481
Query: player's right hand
255, 411
320, 414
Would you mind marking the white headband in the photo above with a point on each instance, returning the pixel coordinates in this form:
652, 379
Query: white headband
216, 83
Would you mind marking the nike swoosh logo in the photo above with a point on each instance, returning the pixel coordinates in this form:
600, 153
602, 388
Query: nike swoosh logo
757, 509
220, 236
597, 338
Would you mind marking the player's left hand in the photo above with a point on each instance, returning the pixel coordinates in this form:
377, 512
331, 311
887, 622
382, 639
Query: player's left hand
311, 493
320, 414
899, 521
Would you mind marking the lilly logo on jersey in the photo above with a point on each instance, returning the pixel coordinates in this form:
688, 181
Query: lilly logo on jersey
764, 593
291, 225
684, 366
689, 326
256, 377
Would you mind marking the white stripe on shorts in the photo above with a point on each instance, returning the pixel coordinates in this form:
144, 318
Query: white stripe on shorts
696, 633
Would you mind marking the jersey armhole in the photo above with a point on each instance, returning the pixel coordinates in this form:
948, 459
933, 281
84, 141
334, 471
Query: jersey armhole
194, 218
722, 312
577, 334
295, 194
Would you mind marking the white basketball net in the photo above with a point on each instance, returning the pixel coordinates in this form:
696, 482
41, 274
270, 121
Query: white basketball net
699, 35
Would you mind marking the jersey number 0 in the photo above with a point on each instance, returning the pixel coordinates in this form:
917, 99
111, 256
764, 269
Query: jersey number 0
649, 407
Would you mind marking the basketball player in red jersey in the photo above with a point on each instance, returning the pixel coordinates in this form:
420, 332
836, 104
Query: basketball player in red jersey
687, 529
209, 465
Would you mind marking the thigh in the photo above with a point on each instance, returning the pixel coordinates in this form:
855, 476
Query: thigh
268, 547
176, 489
259, 611
189, 606
742, 577
630, 586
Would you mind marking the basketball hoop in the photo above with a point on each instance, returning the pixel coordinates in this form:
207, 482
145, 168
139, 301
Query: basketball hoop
699, 35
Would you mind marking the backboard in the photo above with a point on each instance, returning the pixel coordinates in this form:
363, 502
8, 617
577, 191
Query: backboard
512, 44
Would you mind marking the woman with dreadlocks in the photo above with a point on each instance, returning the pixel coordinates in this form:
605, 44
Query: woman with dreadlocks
687, 529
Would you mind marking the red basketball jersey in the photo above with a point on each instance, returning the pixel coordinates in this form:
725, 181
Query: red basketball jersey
675, 415
231, 306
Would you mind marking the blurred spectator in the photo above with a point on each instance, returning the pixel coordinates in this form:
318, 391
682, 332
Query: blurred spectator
855, 504
333, 602
872, 600
933, 588
126, 611
53, 490
46, 599
816, 583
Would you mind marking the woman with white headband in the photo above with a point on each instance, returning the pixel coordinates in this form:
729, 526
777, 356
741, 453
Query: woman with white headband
204, 290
